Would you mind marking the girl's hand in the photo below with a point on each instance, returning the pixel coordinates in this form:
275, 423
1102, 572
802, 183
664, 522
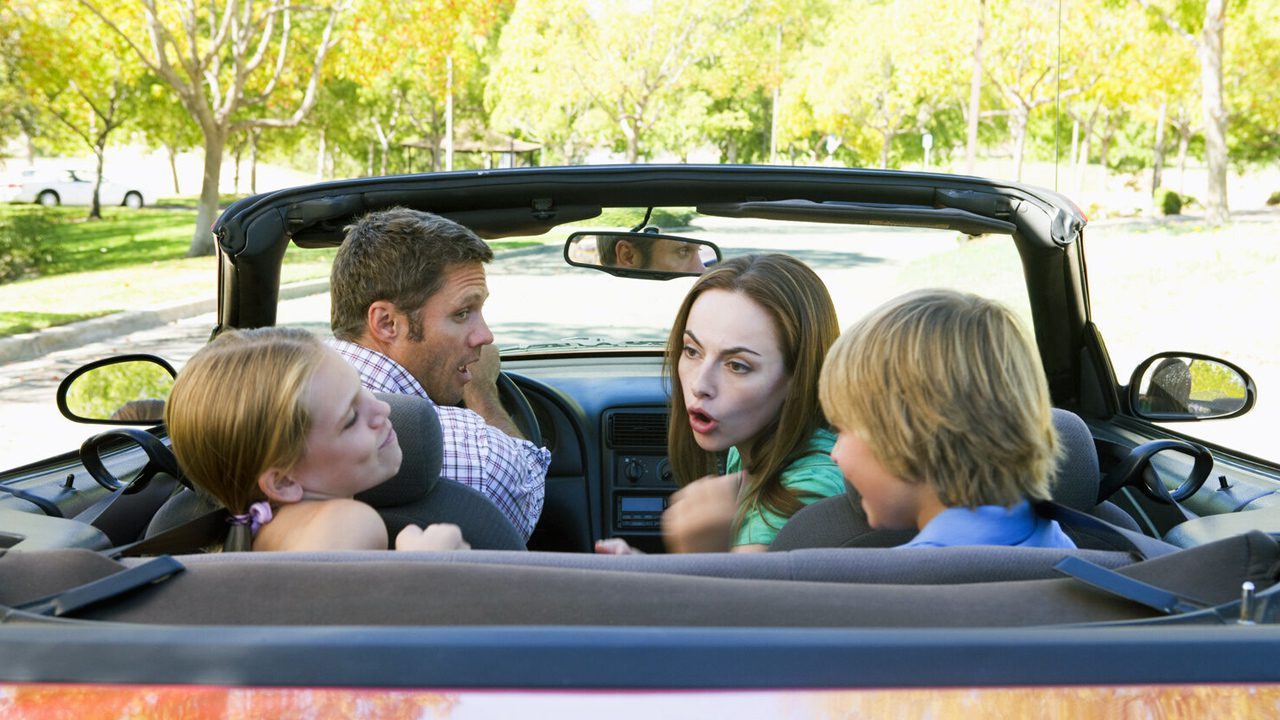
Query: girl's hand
700, 517
616, 546
439, 536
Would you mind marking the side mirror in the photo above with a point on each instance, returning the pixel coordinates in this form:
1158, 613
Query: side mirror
1184, 387
123, 390
640, 254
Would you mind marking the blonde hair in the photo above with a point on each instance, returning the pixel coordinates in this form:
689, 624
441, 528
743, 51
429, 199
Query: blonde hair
946, 389
238, 407
804, 318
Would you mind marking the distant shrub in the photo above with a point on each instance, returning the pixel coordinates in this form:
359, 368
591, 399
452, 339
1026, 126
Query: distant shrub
26, 242
1169, 201
1274, 198
665, 218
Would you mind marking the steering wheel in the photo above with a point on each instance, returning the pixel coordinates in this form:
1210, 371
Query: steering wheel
159, 459
1133, 471
519, 407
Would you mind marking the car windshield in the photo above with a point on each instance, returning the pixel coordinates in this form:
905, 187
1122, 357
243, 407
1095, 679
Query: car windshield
538, 303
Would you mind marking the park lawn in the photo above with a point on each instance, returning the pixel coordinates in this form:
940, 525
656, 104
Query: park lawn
131, 259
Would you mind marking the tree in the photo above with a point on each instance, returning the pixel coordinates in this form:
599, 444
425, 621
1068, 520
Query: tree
1208, 44
608, 68
163, 122
18, 120
890, 84
223, 59
76, 76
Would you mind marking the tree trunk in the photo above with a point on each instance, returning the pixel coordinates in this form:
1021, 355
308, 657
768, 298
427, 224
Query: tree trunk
1215, 111
173, 168
975, 92
95, 205
253, 161
320, 156
1184, 140
1157, 162
215, 141
1020, 120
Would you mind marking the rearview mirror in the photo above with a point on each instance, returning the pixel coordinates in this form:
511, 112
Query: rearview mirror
123, 390
640, 254
1182, 387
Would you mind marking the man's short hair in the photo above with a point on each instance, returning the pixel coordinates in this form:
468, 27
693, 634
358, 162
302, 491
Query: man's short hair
946, 389
641, 243
398, 255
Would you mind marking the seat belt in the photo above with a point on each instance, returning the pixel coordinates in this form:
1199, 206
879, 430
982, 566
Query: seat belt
1110, 581
112, 586
189, 537
125, 512
1141, 546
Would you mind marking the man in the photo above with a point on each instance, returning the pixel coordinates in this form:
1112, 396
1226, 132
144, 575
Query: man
642, 251
408, 288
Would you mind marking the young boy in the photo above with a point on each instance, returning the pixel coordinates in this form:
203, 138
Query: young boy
944, 421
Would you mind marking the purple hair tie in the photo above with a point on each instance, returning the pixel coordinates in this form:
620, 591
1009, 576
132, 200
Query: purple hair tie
259, 514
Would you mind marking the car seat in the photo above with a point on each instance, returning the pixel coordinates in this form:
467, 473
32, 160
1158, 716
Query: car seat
840, 521
415, 495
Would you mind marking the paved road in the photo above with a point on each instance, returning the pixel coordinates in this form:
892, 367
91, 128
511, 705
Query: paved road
535, 299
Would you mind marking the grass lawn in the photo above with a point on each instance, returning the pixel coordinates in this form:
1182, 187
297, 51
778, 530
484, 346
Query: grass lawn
131, 259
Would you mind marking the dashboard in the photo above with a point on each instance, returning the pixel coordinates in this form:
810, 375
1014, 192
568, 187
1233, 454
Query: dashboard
604, 419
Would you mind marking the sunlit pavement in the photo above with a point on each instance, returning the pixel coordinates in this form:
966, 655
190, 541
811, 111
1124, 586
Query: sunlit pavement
528, 293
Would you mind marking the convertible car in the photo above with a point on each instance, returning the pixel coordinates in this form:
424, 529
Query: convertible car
110, 597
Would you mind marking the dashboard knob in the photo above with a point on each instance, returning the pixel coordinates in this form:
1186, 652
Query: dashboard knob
634, 469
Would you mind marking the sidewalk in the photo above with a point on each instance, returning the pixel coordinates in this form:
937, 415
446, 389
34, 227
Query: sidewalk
32, 345
29, 346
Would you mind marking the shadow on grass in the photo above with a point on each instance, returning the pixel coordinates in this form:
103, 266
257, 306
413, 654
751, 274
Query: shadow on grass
122, 238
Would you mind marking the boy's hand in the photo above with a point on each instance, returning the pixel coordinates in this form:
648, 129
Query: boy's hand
700, 518
439, 536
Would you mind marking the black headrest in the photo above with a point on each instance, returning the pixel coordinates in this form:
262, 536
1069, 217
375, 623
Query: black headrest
422, 442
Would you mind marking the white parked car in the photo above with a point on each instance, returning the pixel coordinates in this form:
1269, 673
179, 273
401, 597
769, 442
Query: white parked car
68, 187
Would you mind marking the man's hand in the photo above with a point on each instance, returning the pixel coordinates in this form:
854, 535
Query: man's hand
700, 518
438, 536
481, 394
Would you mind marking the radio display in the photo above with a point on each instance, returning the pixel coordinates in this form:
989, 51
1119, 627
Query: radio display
652, 504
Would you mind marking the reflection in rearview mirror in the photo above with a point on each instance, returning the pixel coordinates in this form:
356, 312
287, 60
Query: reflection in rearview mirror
640, 254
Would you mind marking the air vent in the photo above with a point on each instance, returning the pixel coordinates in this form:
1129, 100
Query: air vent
638, 430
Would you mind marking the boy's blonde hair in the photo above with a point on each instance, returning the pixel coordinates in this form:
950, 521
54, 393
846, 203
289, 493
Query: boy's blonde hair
946, 389
238, 407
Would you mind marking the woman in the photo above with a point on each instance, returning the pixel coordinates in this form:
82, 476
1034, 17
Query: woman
744, 357
277, 427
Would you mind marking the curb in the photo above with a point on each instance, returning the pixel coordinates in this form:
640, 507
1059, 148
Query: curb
32, 345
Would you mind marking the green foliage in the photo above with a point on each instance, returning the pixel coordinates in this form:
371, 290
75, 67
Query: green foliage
1274, 198
1170, 202
665, 218
105, 391
26, 243
1211, 381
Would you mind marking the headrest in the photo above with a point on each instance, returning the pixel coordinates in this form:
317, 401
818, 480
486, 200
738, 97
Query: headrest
422, 442
1076, 484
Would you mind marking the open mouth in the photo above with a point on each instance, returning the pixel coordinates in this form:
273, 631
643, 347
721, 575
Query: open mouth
701, 422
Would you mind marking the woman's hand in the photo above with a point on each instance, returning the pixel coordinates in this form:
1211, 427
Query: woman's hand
439, 536
700, 517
